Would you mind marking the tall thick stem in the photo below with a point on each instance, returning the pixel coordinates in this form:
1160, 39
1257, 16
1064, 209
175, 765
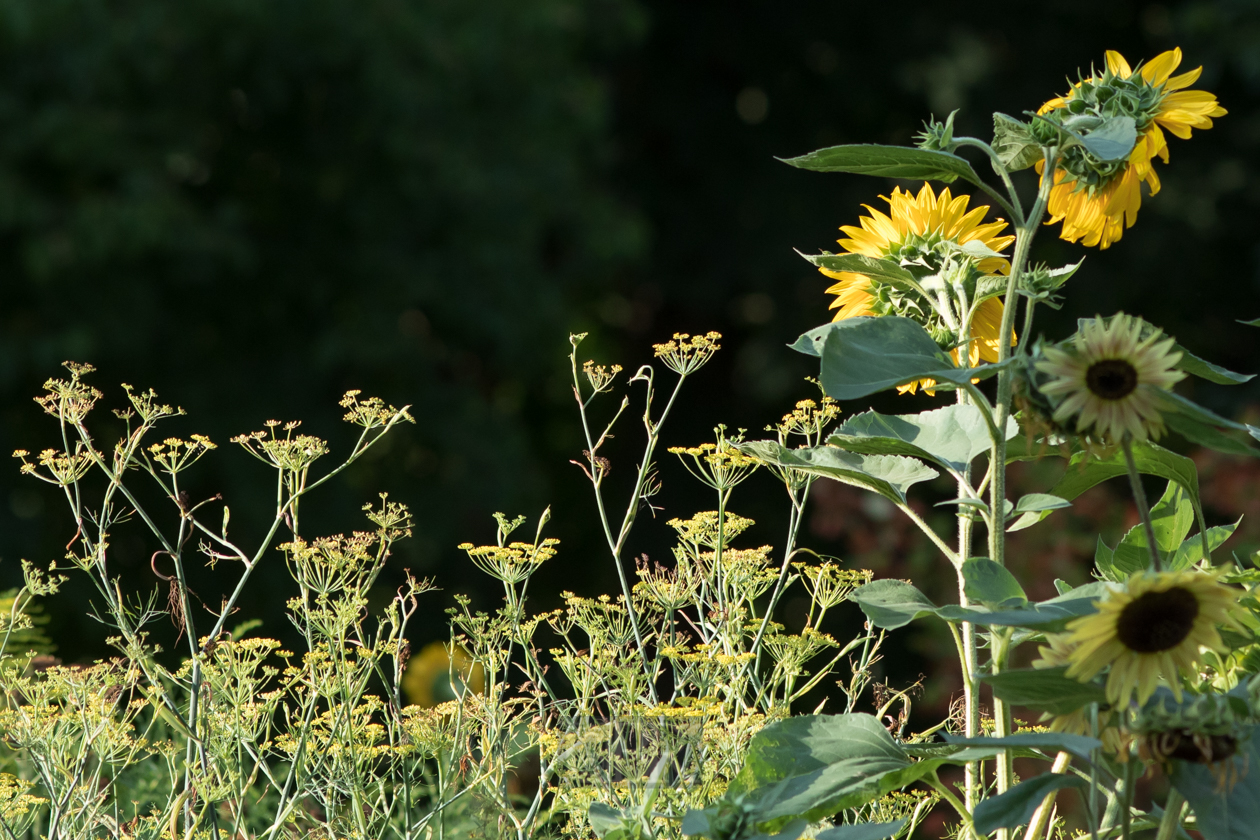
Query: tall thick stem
1139, 499
1171, 820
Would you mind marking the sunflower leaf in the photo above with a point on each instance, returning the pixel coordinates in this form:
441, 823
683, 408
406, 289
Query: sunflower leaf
1171, 518
1084, 472
888, 475
1254, 322
890, 604
1190, 552
1203, 369
1113, 139
877, 270
862, 831
1014, 143
950, 437
887, 162
1206, 428
1015, 807
1078, 745
1044, 690
861, 356
991, 584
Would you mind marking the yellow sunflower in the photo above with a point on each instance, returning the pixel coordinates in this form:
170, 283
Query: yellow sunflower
914, 226
430, 677
1153, 628
1108, 376
1096, 201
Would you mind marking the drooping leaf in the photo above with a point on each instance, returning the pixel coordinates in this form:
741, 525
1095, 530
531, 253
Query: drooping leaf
1203, 369
878, 270
1044, 689
862, 831
1206, 428
861, 356
1078, 745
991, 583
1014, 143
1224, 811
1017, 805
1254, 322
888, 162
950, 437
888, 475
1084, 472
1112, 140
890, 604
1040, 503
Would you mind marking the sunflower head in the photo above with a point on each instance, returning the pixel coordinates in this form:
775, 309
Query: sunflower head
1097, 197
1106, 378
950, 248
1152, 628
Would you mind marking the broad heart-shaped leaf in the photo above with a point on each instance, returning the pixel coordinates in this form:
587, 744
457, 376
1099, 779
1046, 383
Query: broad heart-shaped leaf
991, 583
861, 356
1229, 811
862, 831
1171, 518
888, 475
885, 271
1017, 805
1084, 472
888, 162
1078, 745
950, 437
1014, 143
604, 819
1044, 689
890, 604
1206, 428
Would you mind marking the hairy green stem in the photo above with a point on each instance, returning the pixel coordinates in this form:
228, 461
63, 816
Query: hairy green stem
1139, 499
1171, 821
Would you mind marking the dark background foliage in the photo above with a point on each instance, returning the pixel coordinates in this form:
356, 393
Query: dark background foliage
253, 207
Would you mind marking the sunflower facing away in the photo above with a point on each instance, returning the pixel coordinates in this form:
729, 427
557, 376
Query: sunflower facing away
1096, 200
1108, 376
1152, 628
914, 230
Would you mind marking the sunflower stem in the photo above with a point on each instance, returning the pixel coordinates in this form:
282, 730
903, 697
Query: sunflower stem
1041, 818
1023, 242
1170, 822
971, 720
1126, 802
1014, 207
1139, 499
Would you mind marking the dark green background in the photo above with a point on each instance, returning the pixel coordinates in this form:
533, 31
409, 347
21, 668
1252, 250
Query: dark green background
254, 206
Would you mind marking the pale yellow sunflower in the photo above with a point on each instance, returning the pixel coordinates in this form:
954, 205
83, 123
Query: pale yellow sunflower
914, 227
1108, 377
1151, 629
1097, 200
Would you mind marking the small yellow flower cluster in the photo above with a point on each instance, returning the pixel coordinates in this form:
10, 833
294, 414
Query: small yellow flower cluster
685, 354
371, 413
600, 377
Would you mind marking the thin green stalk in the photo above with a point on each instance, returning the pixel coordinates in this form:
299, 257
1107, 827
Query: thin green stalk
1171, 821
1139, 499
1126, 817
1023, 242
1041, 817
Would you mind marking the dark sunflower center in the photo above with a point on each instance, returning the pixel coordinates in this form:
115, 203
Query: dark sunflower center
1111, 379
1157, 621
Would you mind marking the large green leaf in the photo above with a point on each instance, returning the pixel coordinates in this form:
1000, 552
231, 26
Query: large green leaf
1048, 742
890, 604
950, 437
991, 584
1206, 428
1171, 518
1228, 810
1191, 551
878, 270
1203, 369
888, 475
1085, 472
1044, 689
887, 162
861, 356
1017, 805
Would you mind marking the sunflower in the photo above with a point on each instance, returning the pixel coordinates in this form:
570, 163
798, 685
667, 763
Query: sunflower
919, 229
431, 679
1096, 200
1108, 377
1152, 628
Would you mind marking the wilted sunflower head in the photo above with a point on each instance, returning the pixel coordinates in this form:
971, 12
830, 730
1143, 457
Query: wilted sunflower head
1096, 199
1150, 629
924, 232
1107, 377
